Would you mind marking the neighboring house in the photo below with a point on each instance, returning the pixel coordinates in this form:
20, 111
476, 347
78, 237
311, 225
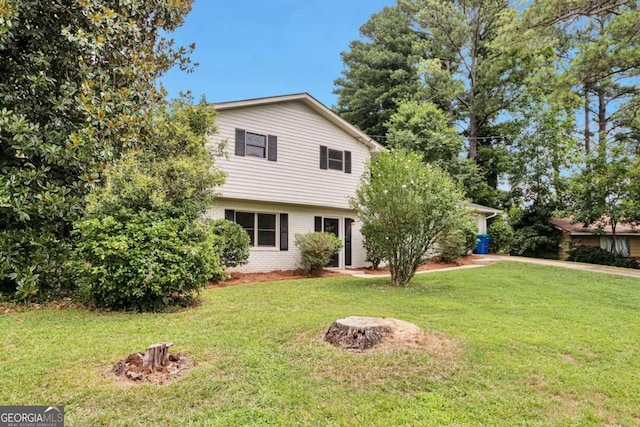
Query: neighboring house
574, 235
292, 165
483, 213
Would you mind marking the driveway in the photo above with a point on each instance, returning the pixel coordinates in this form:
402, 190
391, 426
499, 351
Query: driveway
570, 265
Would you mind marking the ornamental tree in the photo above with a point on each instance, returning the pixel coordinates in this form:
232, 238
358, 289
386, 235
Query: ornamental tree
405, 206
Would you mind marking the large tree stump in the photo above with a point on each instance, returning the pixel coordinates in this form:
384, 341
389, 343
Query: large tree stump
156, 357
359, 332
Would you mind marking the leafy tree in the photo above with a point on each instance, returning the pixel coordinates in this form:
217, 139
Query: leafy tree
141, 244
380, 72
606, 192
405, 207
423, 127
78, 87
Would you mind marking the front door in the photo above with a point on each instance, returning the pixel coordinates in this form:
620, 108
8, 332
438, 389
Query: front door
331, 226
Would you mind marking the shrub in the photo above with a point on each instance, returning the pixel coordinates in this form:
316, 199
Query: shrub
235, 242
405, 207
146, 263
458, 242
375, 254
533, 242
501, 236
596, 255
316, 250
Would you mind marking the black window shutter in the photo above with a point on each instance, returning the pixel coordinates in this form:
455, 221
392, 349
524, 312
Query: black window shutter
347, 162
272, 150
318, 224
230, 215
284, 232
240, 139
324, 153
347, 241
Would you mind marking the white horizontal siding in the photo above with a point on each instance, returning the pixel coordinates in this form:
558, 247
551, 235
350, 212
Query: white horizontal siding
296, 176
301, 220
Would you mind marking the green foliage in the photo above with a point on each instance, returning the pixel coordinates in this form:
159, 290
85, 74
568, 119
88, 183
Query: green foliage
534, 236
235, 242
375, 252
502, 236
458, 242
405, 207
141, 244
146, 263
423, 127
78, 85
606, 191
316, 250
596, 255
379, 72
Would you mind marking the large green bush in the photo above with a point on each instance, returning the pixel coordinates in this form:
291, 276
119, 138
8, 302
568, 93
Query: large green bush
146, 262
596, 255
501, 236
316, 250
235, 242
141, 244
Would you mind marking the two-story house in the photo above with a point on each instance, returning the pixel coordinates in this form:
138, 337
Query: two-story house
292, 165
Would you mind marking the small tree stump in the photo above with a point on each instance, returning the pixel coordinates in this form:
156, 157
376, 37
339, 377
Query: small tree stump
359, 332
156, 357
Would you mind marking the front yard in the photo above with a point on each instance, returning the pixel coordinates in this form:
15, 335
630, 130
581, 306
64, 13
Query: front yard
533, 346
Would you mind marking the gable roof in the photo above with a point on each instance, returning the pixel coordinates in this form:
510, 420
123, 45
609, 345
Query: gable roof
312, 103
579, 228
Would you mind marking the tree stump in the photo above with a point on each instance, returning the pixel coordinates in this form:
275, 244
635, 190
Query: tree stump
156, 357
359, 332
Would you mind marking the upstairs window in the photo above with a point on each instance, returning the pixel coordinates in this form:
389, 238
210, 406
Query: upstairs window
335, 159
256, 145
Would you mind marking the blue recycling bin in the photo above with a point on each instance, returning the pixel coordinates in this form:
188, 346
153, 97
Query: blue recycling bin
482, 244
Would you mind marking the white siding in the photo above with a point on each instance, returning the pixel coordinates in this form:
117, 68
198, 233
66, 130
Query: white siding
296, 177
301, 220
481, 221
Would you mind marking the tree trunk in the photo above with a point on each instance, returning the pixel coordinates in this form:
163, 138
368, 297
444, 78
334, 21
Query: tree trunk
156, 357
602, 121
358, 332
587, 129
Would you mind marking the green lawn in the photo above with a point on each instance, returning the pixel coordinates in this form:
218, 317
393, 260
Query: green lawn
538, 346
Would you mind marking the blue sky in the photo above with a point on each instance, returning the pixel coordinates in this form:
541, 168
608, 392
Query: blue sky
255, 48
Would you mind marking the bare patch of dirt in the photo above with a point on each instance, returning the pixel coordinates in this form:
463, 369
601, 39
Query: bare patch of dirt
271, 276
568, 358
434, 264
129, 370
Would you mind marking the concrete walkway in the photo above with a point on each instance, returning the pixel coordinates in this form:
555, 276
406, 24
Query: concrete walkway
618, 271
490, 259
360, 274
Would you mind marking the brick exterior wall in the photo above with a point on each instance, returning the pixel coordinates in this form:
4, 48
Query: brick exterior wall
301, 220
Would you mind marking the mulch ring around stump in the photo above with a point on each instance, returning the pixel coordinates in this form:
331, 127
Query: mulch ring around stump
130, 369
362, 334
